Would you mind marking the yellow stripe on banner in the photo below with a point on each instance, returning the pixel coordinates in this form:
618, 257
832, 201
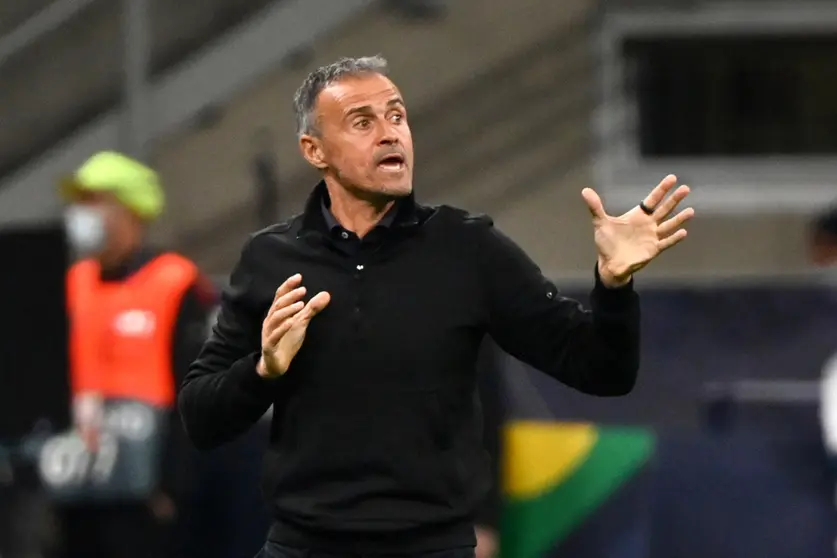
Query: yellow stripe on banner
541, 455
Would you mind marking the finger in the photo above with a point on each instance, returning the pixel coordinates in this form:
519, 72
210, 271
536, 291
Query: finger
659, 193
315, 306
594, 203
670, 204
280, 315
278, 332
288, 298
667, 228
301, 316
671, 240
290, 283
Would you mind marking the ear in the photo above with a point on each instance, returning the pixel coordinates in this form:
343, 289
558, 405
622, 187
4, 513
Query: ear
312, 150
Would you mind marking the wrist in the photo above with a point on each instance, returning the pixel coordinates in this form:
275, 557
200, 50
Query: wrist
88, 409
611, 279
265, 371
261, 368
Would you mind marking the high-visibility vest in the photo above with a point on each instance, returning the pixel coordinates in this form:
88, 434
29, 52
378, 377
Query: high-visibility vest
121, 331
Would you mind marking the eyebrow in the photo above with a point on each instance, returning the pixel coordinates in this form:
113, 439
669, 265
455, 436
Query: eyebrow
367, 109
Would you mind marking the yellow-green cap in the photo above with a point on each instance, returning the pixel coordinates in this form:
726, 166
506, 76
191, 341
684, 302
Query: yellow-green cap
134, 184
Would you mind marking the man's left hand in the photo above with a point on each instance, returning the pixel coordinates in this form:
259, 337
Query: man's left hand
627, 243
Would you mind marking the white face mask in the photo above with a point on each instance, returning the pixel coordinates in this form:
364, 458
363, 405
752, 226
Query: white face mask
85, 229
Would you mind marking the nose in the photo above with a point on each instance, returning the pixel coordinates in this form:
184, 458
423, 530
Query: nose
388, 136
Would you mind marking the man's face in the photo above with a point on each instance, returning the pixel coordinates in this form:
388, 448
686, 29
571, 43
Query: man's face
363, 138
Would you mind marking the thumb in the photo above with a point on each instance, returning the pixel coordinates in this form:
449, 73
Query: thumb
316, 305
594, 203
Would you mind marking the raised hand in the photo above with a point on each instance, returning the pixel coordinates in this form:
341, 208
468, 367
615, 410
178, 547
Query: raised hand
626, 244
284, 328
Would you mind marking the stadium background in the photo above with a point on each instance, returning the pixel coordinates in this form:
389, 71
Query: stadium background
515, 107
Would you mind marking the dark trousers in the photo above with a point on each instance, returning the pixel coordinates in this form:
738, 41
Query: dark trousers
227, 517
273, 550
25, 519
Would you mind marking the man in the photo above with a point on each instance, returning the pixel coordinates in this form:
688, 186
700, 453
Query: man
367, 348
138, 317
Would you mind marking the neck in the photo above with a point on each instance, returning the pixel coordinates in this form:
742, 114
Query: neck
356, 214
117, 256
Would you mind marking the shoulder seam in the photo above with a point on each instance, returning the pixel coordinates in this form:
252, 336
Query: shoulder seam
479, 218
468, 217
277, 228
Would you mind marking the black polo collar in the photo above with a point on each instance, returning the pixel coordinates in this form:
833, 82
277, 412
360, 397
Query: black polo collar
332, 224
318, 217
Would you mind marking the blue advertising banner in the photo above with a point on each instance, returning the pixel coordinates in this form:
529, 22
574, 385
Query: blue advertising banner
736, 496
691, 337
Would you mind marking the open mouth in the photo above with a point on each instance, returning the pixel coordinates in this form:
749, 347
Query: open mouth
392, 163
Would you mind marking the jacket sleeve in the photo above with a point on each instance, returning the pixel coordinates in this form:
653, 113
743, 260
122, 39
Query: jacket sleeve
222, 395
595, 351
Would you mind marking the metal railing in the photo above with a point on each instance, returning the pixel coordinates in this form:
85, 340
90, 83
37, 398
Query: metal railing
47, 20
137, 54
185, 82
466, 98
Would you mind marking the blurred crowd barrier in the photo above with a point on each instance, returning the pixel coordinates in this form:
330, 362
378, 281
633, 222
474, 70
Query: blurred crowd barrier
723, 454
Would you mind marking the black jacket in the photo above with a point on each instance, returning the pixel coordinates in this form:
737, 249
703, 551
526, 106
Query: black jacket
375, 441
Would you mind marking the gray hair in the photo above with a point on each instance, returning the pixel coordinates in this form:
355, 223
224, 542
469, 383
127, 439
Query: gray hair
305, 99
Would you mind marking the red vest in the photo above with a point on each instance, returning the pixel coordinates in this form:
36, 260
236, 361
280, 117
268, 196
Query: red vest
121, 332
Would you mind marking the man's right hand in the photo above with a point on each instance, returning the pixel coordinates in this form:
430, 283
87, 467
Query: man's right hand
283, 330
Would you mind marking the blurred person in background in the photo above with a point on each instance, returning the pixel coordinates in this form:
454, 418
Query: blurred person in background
822, 248
138, 317
361, 319
823, 254
823, 243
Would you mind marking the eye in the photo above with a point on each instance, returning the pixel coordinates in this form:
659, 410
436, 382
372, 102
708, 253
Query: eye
362, 123
397, 117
